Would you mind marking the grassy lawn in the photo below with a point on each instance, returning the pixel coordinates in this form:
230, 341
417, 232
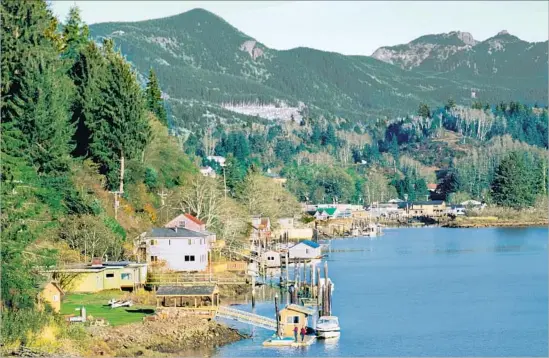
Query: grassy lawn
96, 306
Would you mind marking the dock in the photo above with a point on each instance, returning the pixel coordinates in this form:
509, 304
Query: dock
307, 341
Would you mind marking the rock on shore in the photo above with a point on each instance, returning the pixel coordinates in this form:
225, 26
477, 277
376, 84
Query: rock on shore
167, 337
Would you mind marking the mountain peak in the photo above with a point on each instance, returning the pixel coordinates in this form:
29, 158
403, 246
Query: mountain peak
503, 32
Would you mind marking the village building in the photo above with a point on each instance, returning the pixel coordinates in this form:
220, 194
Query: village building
180, 248
99, 276
286, 229
218, 159
51, 293
456, 210
293, 316
198, 298
208, 172
261, 231
271, 258
326, 213
305, 250
435, 208
192, 223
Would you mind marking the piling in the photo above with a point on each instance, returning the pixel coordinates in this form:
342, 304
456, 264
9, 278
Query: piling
253, 291
277, 316
318, 293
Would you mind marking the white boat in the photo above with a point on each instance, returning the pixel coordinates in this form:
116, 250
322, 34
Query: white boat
328, 327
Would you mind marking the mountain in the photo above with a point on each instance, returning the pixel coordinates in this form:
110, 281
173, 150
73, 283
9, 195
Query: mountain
203, 63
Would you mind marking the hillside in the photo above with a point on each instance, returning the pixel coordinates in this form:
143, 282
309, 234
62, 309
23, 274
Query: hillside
199, 56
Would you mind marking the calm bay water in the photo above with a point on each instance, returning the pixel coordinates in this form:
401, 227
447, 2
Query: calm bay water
431, 292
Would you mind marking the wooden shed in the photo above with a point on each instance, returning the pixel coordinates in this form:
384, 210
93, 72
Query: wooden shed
292, 316
199, 298
51, 294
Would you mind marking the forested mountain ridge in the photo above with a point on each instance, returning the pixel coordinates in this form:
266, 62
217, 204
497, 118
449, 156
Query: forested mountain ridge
199, 56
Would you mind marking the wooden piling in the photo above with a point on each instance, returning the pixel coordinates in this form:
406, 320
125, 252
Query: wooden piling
277, 316
253, 291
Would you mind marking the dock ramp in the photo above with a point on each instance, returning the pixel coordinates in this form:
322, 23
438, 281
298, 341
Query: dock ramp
246, 317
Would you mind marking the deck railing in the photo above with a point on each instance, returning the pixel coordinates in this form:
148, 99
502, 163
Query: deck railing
184, 278
246, 317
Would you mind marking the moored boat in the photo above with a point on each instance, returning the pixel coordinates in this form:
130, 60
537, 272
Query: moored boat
328, 327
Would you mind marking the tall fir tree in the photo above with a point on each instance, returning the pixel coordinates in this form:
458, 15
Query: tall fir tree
153, 98
75, 34
514, 184
88, 74
120, 131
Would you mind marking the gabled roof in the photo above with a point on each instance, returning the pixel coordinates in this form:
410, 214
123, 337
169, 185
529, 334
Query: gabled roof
431, 186
202, 290
329, 211
194, 219
309, 243
180, 233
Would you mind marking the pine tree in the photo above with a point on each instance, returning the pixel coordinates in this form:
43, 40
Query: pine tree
75, 34
424, 111
120, 131
513, 184
153, 98
35, 90
88, 74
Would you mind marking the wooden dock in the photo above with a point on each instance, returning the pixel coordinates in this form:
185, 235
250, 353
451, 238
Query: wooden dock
307, 341
181, 279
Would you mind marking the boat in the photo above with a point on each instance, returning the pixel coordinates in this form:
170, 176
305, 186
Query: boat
328, 327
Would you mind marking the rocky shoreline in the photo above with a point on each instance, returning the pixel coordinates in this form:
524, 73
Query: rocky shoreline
175, 336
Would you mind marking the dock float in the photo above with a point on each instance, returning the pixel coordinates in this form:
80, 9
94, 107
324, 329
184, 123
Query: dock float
290, 342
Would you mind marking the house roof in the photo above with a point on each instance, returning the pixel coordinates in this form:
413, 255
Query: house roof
302, 309
329, 211
194, 219
432, 202
309, 243
431, 186
181, 233
54, 284
203, 290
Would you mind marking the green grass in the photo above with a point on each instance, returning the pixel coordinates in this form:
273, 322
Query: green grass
96, 306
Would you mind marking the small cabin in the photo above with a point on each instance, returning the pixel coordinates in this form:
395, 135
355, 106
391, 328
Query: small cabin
293, 316
306, 249
271, 258
51, 293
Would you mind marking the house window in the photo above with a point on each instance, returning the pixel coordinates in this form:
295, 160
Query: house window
190, 242
109, 275
189, 258
154, 258
292, 319
153, 242
169, 242
181, 224
307, 251
126, 276
55, 298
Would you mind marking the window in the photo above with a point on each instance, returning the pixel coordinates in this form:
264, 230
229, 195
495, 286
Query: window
192, 257
307, 251
154, 258
292, 319
190, 241
126, 276
109, 275
153, 242
181, 224
189, 258
55, 298
169, 242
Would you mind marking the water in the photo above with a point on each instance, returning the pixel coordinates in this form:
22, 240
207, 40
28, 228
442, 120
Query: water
431, 292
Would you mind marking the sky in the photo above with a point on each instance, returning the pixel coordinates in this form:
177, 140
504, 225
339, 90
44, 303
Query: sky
348, 27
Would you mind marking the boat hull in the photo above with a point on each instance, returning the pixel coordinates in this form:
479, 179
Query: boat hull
328, 334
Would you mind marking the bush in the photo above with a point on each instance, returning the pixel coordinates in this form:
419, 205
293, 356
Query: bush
17, 325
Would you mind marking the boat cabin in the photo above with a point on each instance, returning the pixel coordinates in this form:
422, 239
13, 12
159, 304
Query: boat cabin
294, 315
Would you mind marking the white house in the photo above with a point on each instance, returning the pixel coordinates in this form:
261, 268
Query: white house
192, 223
326, 213
216, 158
306, 249
286, 223
271, 258
182, 249
456, 210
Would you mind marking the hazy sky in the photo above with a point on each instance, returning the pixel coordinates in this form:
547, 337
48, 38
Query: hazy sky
346, 27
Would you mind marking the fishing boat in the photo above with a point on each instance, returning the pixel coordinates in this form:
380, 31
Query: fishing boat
328, 327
